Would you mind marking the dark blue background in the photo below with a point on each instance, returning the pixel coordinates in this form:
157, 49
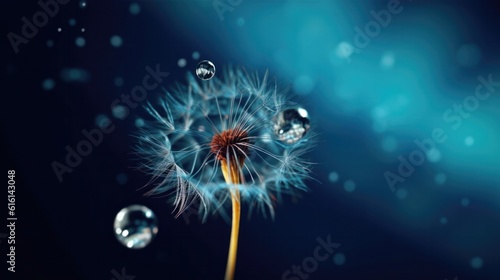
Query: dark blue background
368, 107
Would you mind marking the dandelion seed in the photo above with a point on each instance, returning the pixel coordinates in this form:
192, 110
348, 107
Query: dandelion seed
227, 124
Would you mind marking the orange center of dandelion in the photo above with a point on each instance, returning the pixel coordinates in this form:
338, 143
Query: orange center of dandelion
232, 142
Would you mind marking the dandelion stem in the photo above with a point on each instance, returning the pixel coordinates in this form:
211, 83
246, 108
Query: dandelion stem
232, 176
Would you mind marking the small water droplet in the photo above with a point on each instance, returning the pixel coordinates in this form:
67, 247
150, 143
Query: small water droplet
291, 125
205, 70
59, 29
135, 226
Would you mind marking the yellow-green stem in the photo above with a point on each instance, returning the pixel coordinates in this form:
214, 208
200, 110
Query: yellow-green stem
232, 176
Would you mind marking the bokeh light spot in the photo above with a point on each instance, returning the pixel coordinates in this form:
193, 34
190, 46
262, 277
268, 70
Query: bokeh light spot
48, 84
303, 85
465, 202
80, 42
333, 177
401, 193
116, 41
134, 8
476, 262
440, 178
339, 259
349, 186
469, 141
468, 55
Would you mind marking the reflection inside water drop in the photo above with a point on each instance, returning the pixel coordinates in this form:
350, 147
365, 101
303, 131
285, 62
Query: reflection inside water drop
291, 125
205, 70
135, 226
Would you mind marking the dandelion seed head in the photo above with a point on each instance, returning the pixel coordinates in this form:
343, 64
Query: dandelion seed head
195, 127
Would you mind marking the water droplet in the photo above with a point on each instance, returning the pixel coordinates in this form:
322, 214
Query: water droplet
135, 226
134, 8
116, 41
291, 125
59, 29
339, 259
72, 22
476, 262
83, 29
205, 70
80, 42
83, 4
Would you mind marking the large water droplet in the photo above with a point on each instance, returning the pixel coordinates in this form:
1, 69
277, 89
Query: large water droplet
205, 70
291, 125
135, 226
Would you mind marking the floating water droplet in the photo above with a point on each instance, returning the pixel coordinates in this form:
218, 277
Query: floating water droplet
135, 226
59, 29
83, 29
72, 22
291, 125
205, 70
